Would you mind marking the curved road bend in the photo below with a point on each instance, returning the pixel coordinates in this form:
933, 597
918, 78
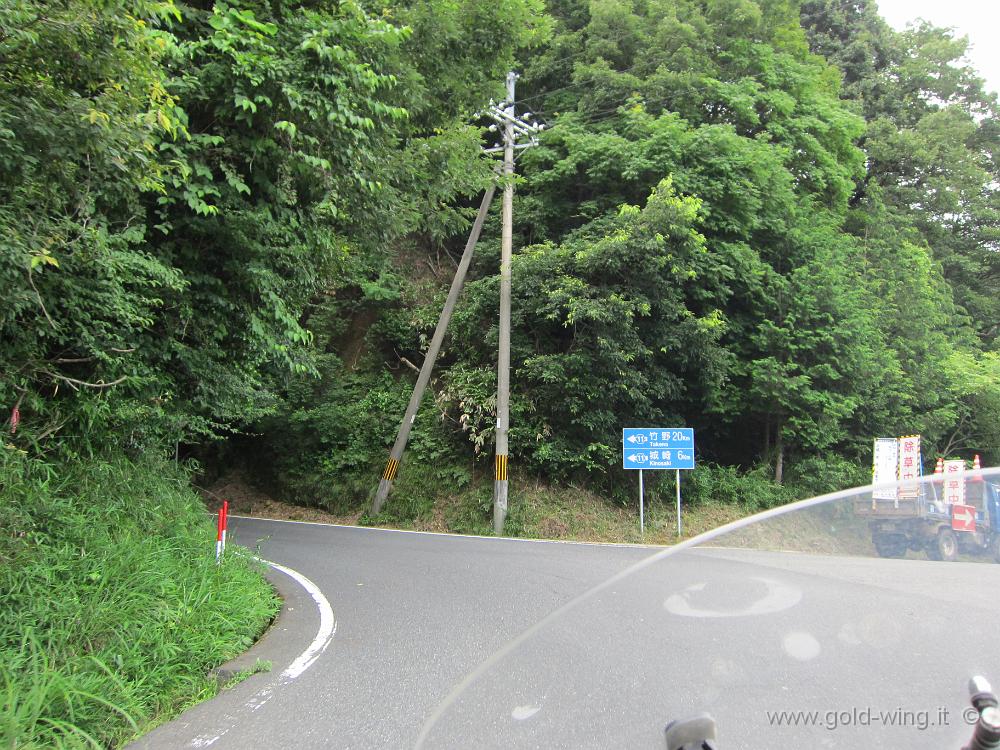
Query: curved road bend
736, 632
415, 613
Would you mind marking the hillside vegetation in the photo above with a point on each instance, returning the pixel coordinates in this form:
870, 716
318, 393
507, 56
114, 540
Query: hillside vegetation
114, 610
774, 222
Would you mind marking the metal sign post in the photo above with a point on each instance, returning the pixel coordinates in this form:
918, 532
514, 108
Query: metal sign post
642, 507
678, 502
658, 448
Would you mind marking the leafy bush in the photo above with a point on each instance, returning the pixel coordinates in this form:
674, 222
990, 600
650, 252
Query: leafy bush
752, 490
113, 607
817, 476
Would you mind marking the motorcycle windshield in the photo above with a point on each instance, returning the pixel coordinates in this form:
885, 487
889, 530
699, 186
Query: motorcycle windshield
853, 620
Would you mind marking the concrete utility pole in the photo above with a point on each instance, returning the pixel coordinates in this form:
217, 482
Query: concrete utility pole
503, 354
396, 454
512, 128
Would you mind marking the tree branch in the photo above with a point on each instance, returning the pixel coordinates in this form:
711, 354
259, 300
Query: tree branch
73, 382
409, 364
78, 360
53, 428
45, 312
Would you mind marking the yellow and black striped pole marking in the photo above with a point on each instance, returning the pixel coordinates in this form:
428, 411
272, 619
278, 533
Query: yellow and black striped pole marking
385, 484
389, 475
501, 468
500, 493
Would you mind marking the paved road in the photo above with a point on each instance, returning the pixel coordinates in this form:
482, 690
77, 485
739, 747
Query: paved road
415, 613
873, 644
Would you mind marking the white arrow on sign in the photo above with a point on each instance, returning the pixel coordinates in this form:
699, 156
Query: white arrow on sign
637, 458
965, 516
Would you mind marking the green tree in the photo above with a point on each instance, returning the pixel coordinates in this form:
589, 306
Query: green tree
931, 141
612, 326
817, 353
83, 106
285, 106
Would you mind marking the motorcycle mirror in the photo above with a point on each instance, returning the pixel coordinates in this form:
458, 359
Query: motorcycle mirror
696, 733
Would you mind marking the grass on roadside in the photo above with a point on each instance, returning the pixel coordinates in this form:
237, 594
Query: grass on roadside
112, 610
449, 498
260, 666
541, 511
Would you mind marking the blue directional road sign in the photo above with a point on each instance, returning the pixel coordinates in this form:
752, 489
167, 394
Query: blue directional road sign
658, 448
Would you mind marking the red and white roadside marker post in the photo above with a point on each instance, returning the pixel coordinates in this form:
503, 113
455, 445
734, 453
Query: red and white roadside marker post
220, 539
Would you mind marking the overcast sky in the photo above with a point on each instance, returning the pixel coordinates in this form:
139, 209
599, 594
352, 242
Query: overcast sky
977, 19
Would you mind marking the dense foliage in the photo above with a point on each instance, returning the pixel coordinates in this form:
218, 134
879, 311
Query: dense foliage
776, 224
774, 221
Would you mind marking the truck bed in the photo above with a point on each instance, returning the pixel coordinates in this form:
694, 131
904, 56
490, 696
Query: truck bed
902, 508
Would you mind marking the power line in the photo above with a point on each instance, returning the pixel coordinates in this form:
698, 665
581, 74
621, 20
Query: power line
589, 118
573, 85
561, 59
609, 114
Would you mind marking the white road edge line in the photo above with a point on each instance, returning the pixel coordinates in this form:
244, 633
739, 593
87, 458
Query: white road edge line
453, 536
327, 624
324, 637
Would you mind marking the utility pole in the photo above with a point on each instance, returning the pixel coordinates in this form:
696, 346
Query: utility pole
396, 454
503, 354
506, 115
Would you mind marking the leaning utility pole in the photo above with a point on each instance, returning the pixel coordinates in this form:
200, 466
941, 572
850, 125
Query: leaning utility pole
512, 128
396, 454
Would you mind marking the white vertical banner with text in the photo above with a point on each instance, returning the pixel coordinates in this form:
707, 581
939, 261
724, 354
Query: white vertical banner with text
885, 465
954, 482
910, 469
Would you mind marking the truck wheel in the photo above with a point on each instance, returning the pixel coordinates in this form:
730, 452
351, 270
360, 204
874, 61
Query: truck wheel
996, 547
890, 545
946, 546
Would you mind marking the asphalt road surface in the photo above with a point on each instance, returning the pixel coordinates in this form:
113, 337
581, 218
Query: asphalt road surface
426, 646
414, 614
